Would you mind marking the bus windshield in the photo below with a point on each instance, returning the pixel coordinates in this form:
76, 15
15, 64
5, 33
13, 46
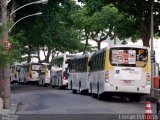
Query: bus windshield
57, 62
131, 57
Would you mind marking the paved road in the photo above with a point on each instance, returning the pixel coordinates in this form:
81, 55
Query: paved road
39, 100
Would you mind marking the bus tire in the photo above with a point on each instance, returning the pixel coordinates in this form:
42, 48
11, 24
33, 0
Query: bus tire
90, 85
94, 95
73, 91
43, 84
99, 96
24, 81
19, 82
53, 86
71, 85
80, 88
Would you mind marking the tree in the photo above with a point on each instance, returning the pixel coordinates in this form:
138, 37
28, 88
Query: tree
101, 24
82, 22
105, 24
139, 10
52, 31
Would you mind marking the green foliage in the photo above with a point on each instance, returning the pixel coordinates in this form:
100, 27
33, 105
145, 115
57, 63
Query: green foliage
8, 55
137, 17
53, 29
4, 56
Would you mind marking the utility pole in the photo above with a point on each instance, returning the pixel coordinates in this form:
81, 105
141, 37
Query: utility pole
1, 86
7, 96
152, 62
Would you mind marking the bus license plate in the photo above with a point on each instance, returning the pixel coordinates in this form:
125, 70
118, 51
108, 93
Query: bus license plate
127, 81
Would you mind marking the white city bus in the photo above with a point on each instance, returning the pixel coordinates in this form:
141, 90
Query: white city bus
22, 75
60, 71
14, 72
32, 72
44, 75
121, 71
79, 71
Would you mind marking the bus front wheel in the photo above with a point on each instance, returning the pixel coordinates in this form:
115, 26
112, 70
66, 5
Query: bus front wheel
73, 91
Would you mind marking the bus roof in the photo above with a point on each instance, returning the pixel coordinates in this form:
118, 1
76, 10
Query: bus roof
61, 56
32, 64
80, 56
135, 46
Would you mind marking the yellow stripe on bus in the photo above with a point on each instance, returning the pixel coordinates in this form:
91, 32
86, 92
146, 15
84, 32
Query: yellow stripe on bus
147, 68
15, 71
108, 66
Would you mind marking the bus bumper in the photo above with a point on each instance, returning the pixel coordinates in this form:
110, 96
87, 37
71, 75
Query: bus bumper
127, 89
65, 82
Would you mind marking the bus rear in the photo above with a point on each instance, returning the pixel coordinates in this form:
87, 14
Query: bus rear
32, 75
44, 75
14, 72
128, 71
60, 71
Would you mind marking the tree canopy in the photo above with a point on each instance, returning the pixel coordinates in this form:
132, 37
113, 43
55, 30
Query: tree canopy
138, 10
64, 24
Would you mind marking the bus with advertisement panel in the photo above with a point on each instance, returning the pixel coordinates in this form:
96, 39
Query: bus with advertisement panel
120, 71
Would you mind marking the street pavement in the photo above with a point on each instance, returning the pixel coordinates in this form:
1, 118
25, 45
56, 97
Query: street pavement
40, 102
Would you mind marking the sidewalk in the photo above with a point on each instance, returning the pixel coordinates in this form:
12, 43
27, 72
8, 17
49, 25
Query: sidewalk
155, 98
9, 111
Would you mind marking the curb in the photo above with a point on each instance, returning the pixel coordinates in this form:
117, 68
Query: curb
152, 99
9, 111
14, 108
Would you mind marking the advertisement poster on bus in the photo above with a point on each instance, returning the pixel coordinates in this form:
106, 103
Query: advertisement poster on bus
123, 56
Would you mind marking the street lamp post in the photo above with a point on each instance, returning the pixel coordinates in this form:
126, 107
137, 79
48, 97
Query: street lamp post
39, 13
6, 102
152, 62
7, 97
37, 2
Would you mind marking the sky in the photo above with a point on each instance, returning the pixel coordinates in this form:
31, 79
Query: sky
156, 46
107, 42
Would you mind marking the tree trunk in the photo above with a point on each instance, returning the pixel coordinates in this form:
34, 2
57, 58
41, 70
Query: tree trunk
99, 45
145, 33
48, 55
86, 44
7, 95
38, 53
29, 53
